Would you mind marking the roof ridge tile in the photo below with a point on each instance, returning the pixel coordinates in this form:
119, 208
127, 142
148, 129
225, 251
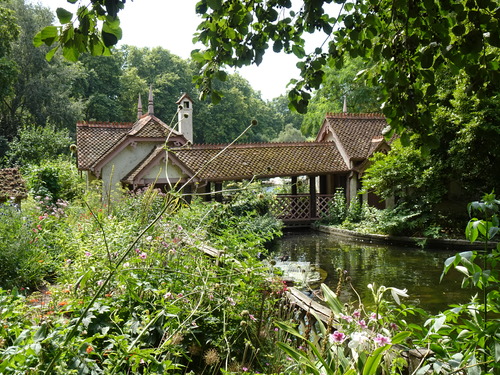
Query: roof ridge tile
369, 115
107, 124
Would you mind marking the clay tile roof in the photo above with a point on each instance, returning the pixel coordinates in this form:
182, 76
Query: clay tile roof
130, 177
95, 139
11, 185
356, 131
150, 126
244, 161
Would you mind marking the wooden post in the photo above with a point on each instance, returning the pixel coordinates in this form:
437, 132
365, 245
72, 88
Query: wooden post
323, 184
218, 189
312, 197
187, 192
208, 190
294, 185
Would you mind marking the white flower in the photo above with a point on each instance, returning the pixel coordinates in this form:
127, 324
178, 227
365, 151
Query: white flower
358, 339
396, 293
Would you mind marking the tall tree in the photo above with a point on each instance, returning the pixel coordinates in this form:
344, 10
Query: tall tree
225, 121
98, 87
341, 84
168, 74
9, 31
407, 40
41, 90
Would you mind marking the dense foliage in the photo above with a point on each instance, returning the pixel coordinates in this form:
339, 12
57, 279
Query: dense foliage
56, 94
407, 41
139, 293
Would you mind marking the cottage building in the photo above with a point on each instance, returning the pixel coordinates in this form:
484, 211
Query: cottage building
149, 151
133, 154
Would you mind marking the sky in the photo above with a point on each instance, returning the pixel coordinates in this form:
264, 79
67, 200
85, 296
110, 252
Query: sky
171, 24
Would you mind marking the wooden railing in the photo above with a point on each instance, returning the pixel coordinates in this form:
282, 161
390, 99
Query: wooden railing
290, 208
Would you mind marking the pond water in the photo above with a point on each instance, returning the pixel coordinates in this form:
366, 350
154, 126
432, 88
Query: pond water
415, 269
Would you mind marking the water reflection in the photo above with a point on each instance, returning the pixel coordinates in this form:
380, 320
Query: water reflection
414, 269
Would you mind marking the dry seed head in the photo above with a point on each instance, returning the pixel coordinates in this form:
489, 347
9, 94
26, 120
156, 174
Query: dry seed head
194, 349
211, 357
177, 339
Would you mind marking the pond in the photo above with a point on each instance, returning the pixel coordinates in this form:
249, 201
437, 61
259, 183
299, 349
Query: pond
415, 269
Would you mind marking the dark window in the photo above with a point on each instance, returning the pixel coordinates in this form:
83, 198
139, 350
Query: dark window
186, 104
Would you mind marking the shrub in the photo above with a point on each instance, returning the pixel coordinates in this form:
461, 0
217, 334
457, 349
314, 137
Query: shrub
355, 211
28, 255
56, 179
337, 208
34, 144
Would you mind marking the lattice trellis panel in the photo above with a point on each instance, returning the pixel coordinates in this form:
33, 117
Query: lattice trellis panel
323, 204
291, 207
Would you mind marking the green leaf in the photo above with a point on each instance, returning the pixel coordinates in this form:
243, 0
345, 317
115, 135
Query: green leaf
297, 355
492, 232
331, 299
287, 328
214, 4
109, 39
41, 334
373, 361
438, 323
458, 29
47, 35
115, 30
222, 75
401, 336
49, 55
63, 15
463, 270
427, 58
71, 53
298, 51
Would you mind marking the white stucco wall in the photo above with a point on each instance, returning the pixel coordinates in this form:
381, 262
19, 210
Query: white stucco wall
114, 171
158, 171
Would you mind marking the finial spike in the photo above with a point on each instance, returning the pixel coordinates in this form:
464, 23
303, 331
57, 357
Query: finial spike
345, 104
139, 108
151, 110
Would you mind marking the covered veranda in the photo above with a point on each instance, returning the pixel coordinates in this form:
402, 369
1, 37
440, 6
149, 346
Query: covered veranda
209, 166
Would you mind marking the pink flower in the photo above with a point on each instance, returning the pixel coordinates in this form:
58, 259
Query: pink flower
394, 326
245, 369
382, 340
143, 255
362, 323
100, 282
231, 301
252, 317
356, 314
138, 250
337, 337
374, 316
347, 318
88, 253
